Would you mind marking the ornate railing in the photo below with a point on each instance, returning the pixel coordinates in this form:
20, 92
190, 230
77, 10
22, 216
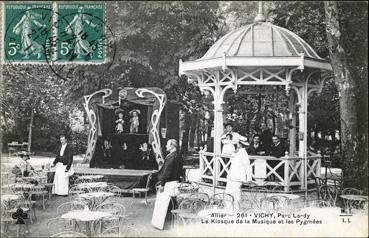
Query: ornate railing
214, 170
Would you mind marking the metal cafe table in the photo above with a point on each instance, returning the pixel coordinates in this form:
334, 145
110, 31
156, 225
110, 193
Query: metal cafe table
92, 186
89, 178
88, 217
354, 201
37, 178
6, 199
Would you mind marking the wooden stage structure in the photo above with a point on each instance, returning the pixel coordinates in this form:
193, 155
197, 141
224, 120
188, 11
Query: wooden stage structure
123, 178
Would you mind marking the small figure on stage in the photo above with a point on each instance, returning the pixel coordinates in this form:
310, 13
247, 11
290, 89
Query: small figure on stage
145, 151
122, 154
147, 158
107, 153
135, 122
107, 149
119, 123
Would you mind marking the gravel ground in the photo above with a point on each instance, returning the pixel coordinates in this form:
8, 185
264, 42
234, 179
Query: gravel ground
139, 216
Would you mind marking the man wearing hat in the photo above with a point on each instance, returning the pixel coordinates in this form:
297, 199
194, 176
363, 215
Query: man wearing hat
239, 172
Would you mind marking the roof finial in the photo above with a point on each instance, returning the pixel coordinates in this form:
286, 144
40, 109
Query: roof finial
260, 17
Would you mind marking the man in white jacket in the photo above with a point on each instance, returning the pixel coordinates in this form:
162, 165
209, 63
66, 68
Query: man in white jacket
239, 172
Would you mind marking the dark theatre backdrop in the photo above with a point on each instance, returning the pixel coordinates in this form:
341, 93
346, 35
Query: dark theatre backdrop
131, 158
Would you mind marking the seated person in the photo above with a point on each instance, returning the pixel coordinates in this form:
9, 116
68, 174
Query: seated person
147, 157
266, 135
22, 167
256, 148
107, 152
277, 150
121, 155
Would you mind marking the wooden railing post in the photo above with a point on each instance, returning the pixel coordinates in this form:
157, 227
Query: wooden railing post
286, 173
201, 158
318, 167
302, 173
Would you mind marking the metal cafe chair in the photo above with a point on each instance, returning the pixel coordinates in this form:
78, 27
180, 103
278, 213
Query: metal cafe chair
118, 217
144, 190
276, 203
329, 193
69, 234
321, 203
120, 231
221, 200
353, 204
57, 225
188, 210
41, 191
201, 196
352, 191
69, 206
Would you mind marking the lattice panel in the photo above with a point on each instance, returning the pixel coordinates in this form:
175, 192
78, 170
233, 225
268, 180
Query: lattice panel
225, 77
274, 170
208, 166
311, 169
262, 76
209, 78
295, 170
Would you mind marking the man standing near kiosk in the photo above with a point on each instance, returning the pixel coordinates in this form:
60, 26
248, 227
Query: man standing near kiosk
168, 177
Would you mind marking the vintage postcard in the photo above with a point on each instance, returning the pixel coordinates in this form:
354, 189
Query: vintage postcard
184, 118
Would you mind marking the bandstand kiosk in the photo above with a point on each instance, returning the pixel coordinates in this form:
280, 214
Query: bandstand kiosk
261, 54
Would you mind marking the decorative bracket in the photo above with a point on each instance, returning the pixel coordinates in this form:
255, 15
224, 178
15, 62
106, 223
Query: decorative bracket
155, 118
92, 136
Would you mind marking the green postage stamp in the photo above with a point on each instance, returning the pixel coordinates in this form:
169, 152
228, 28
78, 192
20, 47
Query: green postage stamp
80, 33
26, 32
54, 32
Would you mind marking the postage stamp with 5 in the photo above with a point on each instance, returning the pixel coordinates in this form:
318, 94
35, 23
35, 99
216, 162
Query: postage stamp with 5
54, 33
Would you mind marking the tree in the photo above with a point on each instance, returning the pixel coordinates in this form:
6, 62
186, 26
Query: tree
34, 105
354, 139
151, 38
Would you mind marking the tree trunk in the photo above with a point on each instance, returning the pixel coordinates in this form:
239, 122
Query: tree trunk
30, 130
354, 173
19, 129
193, 131
187, 123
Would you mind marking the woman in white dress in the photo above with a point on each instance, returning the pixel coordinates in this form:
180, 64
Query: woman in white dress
228, 145
239, 172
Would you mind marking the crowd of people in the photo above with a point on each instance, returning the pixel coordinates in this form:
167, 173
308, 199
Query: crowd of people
264, 143
124, 156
